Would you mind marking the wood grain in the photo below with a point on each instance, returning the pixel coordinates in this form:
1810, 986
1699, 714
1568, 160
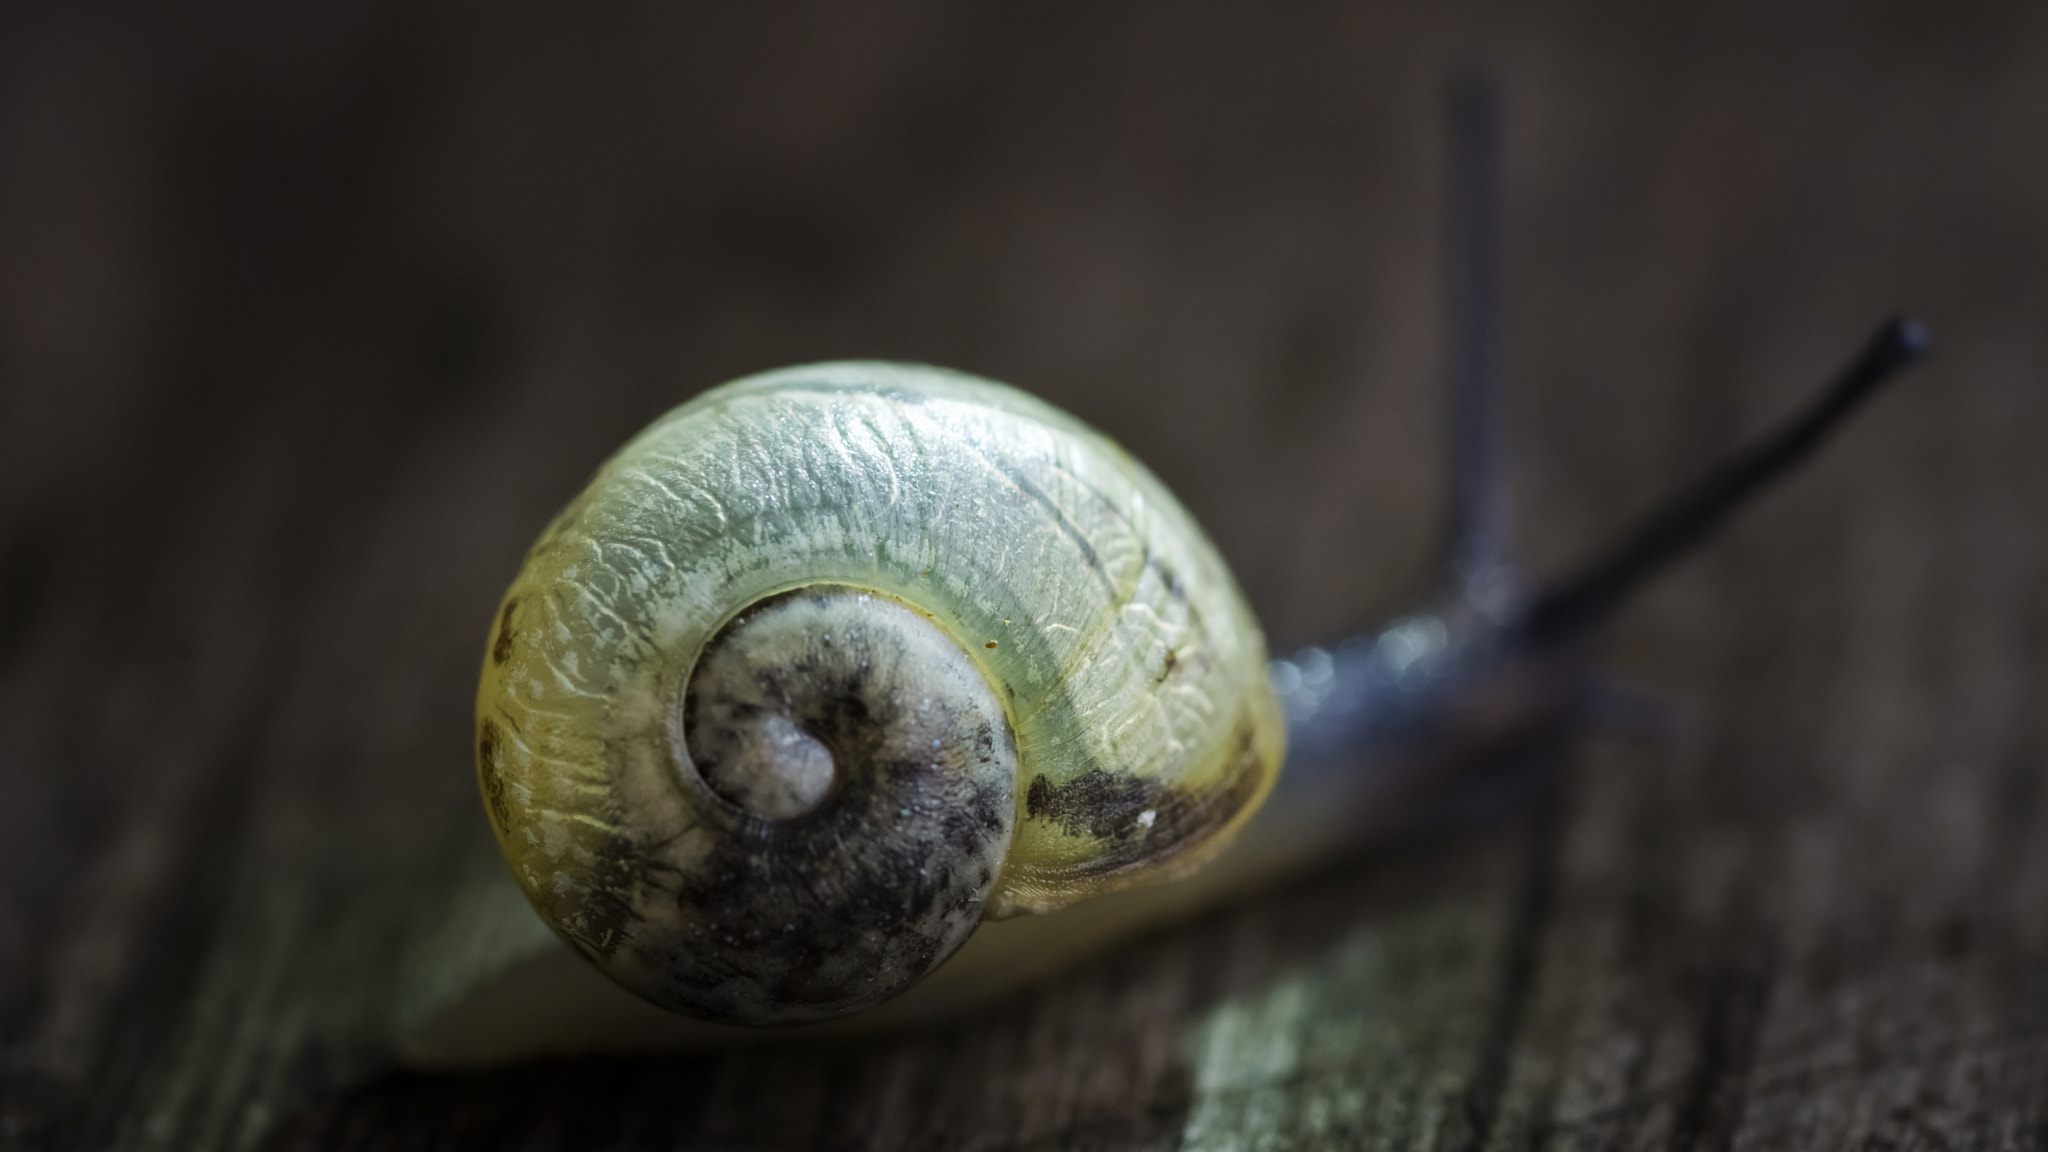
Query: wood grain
309, 318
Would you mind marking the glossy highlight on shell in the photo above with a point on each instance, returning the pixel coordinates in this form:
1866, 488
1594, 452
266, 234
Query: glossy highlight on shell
830, 664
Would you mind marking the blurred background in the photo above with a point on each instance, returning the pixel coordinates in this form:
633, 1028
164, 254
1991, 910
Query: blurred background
311, 315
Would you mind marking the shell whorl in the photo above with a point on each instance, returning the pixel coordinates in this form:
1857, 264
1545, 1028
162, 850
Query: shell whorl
703, 692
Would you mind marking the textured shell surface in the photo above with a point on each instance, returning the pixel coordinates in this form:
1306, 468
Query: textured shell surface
1128, 670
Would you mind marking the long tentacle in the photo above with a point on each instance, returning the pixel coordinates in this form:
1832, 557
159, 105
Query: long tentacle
1478, 560
1582, 600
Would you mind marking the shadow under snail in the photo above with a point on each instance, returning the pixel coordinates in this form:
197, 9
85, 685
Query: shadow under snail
836, 669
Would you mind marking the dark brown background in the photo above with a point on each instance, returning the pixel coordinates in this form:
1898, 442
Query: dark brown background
311, 314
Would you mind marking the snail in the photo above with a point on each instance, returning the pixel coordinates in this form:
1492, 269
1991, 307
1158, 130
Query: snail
832, 663
838, 670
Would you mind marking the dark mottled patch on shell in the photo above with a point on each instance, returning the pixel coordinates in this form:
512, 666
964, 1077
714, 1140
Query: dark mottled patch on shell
603, 915
1096, 803
1110, 807
805, 918
770, 921
487, 741
501, 648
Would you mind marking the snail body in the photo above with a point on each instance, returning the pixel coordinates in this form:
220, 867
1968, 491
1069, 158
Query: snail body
830, 664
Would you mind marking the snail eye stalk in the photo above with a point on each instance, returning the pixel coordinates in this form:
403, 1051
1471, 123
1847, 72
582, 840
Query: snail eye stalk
1581, 601
1479, 545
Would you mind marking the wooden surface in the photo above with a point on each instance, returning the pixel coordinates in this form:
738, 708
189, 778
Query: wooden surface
310, 316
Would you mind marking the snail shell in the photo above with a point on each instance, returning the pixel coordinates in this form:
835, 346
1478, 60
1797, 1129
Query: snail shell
830, 664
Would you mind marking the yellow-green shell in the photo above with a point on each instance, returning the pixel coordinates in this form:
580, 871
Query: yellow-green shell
1130, 668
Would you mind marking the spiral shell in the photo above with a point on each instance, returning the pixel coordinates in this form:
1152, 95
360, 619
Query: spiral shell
831, 663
